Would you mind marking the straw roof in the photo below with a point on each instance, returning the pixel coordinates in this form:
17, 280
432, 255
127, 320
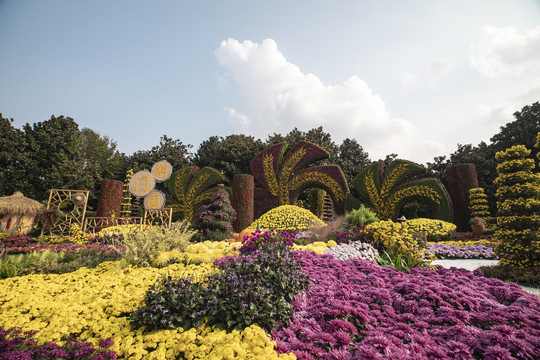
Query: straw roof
18, 204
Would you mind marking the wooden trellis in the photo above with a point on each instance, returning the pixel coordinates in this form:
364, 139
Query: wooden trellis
161, 217
58, 200
95, 224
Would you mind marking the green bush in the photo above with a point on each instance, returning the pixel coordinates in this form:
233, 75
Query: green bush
256, 289
22, 264
359, 218
142, 248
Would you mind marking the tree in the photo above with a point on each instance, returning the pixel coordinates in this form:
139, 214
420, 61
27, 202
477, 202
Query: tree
352, 159
13, 158
519, 131
52, 148
316, 136
231, 154
174, 151
98, 160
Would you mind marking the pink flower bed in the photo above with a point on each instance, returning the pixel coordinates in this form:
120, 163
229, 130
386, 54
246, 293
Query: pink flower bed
356, 309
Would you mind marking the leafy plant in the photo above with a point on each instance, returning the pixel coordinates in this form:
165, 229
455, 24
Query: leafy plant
358, 218
143, 248
400, 261
255, 289
283, 175
13, 264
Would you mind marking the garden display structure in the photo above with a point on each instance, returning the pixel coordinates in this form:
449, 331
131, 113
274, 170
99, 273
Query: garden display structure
58, 200
518, 208
386, 189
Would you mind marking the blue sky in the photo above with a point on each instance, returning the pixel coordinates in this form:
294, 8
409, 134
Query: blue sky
408, 77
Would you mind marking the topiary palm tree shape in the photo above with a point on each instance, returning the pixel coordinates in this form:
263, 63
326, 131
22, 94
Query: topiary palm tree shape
386, 190
283, 175
191, 187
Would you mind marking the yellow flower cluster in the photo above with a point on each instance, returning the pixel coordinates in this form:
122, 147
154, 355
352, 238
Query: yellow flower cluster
76, 236
119, 230
465, 243
478, 204
317, 246
287, 218
434, 229
518, 255
208, 251
397, 236
512, 153
96, 303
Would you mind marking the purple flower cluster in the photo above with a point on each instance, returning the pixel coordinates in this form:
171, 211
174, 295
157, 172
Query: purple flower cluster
18, 345
71, 249
356, 309
251, 244
20, 240
479, 251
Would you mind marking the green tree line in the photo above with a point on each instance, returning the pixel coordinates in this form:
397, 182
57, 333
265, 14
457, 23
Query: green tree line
57, 154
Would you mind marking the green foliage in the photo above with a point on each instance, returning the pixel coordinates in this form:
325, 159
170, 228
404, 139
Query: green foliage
358, 218
174, 151
386, 189
283, 175
13, 159
12, 265
249, 290
287, 218
352, 159
400, 261
230, 155
524, 276
190, 188
214, 221
143, 248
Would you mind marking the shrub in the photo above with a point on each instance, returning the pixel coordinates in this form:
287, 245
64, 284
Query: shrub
359, 218
12, 265
398, 240
261, 239
214, 220
143, 248
435, 230
288, 218
478, 205
255, 289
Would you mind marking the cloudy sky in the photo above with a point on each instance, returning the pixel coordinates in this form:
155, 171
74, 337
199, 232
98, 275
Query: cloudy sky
408, 77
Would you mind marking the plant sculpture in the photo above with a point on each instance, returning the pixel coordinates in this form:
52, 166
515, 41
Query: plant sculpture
126, 195
386, 190
478, 204
242, 200
283, 175
518, 208
191, 188
316, 202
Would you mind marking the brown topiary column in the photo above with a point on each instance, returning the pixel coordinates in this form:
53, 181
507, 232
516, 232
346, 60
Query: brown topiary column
243, 189
110, 198
461, 178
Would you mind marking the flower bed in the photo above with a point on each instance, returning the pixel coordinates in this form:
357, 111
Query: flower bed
476, 251
356, 309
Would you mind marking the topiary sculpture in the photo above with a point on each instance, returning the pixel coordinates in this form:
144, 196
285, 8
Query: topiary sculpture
288, 218
282, 175
214, 220
386, 189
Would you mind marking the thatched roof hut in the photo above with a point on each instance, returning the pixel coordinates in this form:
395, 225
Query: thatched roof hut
18, 211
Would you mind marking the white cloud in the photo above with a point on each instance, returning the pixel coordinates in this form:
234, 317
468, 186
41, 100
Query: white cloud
505, 51
500, 113
277, 97
433, 74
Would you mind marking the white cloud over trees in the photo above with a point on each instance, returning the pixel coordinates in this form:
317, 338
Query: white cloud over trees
277, 96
